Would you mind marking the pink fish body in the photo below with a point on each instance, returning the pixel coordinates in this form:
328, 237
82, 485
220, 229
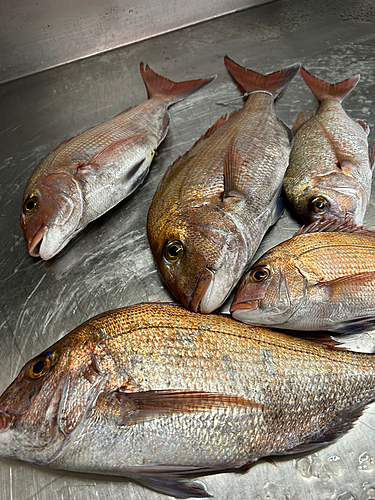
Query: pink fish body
154, 392
330, 167
90, 173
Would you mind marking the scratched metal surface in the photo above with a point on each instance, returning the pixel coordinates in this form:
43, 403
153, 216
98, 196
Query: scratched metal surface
110, 264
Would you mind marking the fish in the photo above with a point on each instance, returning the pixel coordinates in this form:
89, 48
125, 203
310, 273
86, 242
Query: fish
87, 175
156, 393
215, 202
323, 278
330, 166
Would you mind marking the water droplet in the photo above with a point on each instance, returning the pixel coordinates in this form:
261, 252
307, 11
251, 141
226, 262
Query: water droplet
324, 491
336, 465
366, 462
346, 496
303, 465
321, 471
270, 491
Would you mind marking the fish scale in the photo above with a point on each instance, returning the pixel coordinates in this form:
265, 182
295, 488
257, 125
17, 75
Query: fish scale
321, 279
87, 175
216, 202
330, 161
173, 392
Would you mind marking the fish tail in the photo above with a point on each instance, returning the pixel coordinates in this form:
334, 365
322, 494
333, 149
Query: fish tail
157, 85
250, 81
324, 90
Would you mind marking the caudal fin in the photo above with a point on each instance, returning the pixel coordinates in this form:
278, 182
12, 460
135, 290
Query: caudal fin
157, 85
324, 90
250, 81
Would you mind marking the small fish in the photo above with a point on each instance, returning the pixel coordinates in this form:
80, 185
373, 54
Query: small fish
215, 203
156, 393
330, 167
87, 175
321, 279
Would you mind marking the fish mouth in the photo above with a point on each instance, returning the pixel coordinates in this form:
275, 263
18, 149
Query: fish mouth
238, 305
205, 280
240, 311
34, 247
5, 421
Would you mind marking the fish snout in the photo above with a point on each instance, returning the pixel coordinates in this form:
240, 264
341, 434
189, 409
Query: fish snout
5, 420
33, 243
203, 284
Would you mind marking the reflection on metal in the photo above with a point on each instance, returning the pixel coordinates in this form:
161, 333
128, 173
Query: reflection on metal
110, 264
41, 35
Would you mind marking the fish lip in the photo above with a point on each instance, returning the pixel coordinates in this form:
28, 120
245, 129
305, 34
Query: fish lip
248, 305
201, 288
5, 421
34, 247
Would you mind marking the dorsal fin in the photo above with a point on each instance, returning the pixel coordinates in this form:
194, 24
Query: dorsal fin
221, 121
301, 119
324, 90
251, 81
334, 226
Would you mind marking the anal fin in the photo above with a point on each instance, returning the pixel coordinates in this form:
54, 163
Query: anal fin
173, 486
328, 437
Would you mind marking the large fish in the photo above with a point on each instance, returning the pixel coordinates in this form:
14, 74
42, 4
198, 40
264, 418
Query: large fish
330, 169
321, 279
87, 175
215, 203
153, 392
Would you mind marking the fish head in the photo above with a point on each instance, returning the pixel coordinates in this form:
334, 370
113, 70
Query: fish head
46, 402
201, 255
271, 291
51, 211
334, 195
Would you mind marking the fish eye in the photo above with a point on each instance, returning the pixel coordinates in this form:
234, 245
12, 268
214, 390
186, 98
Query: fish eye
42, 365
260, 274
318, 205
173, 251
30, 204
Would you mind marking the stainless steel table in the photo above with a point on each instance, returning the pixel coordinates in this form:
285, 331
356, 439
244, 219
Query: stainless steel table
110, 264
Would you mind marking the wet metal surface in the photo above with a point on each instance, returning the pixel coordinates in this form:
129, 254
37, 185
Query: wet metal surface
43, 34
110, 264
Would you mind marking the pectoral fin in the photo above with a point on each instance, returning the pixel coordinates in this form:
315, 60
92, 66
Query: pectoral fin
149, 405
108, 155
233, 180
